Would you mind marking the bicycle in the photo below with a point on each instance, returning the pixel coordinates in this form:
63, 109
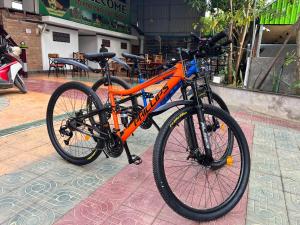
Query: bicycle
177, 164
205, 91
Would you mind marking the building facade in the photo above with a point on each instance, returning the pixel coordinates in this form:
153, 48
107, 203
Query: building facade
65, 27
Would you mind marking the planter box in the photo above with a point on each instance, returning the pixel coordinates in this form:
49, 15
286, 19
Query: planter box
281, 106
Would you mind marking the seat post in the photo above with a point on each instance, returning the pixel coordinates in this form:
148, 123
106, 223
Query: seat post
107, 72
137, 68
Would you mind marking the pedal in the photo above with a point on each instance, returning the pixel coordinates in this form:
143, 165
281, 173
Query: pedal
136, 159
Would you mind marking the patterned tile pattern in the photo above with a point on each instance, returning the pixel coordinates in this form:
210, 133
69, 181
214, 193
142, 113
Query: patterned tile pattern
38, 187
41, 187
4, 102
275, 181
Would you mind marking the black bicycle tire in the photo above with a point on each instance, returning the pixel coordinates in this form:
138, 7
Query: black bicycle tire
160, 178
116, 80
49, 119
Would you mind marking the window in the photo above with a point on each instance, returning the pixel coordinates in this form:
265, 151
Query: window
106, 43
17, 5
123, 45
61, 37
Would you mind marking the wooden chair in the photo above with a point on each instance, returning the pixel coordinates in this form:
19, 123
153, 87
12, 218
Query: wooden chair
113, 68
158, 59
147, 58
80, 58
53, 64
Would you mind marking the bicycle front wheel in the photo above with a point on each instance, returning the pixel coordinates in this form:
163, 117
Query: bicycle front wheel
188, 184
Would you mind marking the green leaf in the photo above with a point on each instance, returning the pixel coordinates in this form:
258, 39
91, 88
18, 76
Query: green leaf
296, 85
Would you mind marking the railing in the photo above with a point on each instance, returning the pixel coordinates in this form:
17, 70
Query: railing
5, 38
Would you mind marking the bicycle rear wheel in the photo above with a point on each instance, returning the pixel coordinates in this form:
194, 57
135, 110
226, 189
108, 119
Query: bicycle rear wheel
70, 135
101, 89
188, 184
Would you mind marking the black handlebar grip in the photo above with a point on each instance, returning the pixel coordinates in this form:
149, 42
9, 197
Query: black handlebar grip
227, 43
195, 36
217, 38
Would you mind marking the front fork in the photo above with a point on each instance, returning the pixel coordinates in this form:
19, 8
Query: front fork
202, 123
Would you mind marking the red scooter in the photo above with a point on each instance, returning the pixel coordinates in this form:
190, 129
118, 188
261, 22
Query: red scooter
10, 68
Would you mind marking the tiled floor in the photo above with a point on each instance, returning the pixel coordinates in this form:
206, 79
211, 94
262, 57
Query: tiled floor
4, 102
38, 188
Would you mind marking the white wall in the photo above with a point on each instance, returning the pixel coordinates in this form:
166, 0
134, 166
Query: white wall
89, 44
63, 49
115, 45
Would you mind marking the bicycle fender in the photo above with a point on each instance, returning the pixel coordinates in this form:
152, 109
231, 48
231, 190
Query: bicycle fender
122, 63
73, 63
170, 105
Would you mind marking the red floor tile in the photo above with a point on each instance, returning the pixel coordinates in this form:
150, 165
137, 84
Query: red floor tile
128, 216
146, 201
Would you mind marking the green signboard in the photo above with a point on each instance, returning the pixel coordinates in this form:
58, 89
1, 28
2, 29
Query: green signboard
107, 14
281, 12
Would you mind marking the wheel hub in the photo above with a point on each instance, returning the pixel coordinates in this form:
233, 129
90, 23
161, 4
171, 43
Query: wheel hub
202, 159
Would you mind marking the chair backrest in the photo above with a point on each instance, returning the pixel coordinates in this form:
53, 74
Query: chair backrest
147, 58
53, 55
158, 59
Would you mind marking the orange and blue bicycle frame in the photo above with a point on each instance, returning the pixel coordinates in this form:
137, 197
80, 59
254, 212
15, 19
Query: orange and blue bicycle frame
174, 75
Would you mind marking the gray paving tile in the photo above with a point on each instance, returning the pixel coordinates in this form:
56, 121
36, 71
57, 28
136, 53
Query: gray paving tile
11, 204
263, 132
264, 149
292, 202
86, 183
291, 185
266, 181
63, 199
269, 143
143, 137
37, 189
289, 164
285, 140
14, 180
297, 139
266, 165
262, 194
264, 213
62, 174
40, 167
109, 168
36, 214
294, 217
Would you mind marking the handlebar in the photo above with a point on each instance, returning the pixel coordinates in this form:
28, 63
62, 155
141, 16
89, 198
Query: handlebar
195, 36
217, 38
228, 42
208, 47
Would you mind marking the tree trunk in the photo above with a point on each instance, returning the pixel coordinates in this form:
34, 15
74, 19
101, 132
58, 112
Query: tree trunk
230, 58
241, 44
241, 50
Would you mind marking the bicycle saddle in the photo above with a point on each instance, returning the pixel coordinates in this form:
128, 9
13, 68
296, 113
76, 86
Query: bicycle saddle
97, 57
133, 57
